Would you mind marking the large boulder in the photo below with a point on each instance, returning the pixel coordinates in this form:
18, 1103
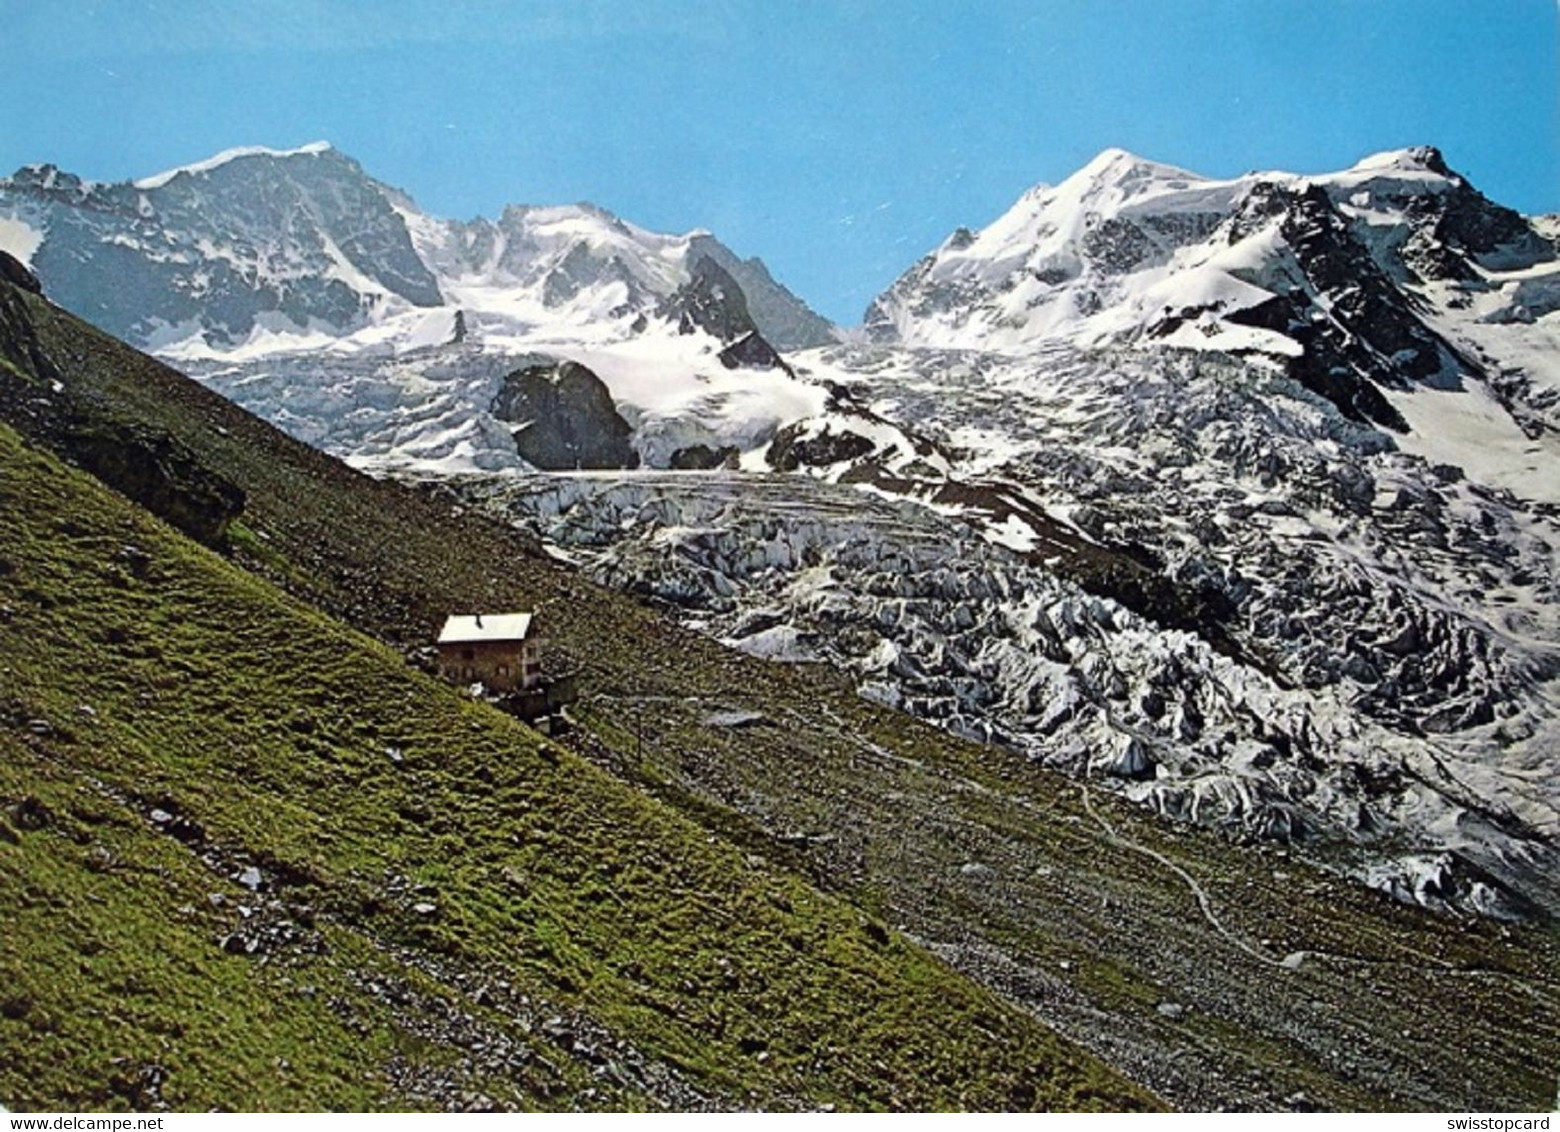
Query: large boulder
566, 419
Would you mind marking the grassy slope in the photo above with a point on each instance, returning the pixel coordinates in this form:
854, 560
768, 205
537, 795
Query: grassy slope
1056, 915
163, 678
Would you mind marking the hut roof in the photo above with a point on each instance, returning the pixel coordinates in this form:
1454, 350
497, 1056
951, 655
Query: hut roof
466, 628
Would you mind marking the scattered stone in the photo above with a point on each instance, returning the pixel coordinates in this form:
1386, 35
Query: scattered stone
733, 718
1171, 1009
31, 813
250, 878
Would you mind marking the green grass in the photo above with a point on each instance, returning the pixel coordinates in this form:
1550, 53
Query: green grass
881, 811
163, 677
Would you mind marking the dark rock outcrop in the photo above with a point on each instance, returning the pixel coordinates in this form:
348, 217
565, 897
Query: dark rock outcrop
711, 301
752, 352
143, 464
13, 271
248, 242
157, 472
803, 444
566, 417
19, 341
783, 319
1356, 328
703, 458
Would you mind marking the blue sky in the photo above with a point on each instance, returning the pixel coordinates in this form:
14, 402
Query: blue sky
839, 141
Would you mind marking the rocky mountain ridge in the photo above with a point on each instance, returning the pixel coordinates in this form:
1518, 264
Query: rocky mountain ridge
257, 246
1394, 274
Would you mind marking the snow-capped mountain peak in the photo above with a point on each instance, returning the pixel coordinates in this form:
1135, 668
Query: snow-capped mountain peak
158, 180
258, 250
1419, 158
1367, 285
1115, 176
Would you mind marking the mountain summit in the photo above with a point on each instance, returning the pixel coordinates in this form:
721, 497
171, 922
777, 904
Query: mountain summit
1393, 272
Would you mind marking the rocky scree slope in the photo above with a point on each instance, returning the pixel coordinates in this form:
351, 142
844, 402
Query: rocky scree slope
1219, 976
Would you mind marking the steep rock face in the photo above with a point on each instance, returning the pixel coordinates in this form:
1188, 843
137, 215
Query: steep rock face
249, 239
703, 458
1378, 623
931, 617
808, 444
158, 473
1452, 233
711, 301
566, 419
751, 351
13, 271
1301, 429
19, 341
785, 321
